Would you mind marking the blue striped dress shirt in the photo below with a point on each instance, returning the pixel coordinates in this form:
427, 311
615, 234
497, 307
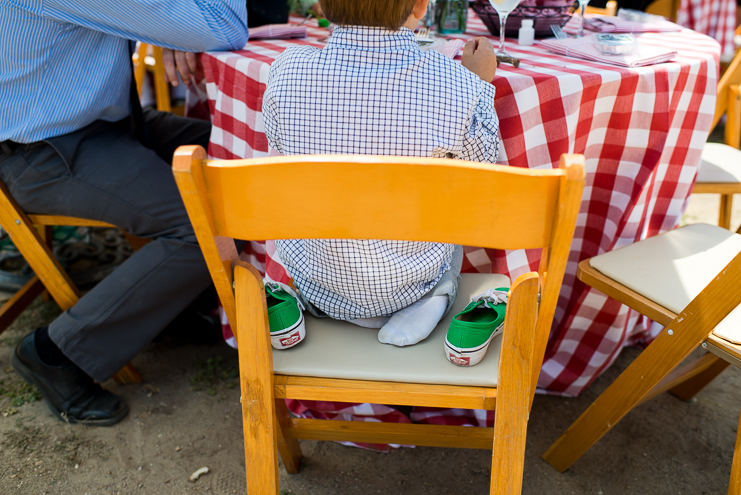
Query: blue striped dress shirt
65, 63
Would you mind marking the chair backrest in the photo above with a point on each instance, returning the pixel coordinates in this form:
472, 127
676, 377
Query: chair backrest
380, 197
665, 8
729, 102
154, 63
611, 8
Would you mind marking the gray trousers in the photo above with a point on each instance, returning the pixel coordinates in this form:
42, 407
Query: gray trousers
103, 173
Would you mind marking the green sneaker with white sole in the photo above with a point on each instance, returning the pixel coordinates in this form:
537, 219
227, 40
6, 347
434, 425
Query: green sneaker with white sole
286, 320
472, 330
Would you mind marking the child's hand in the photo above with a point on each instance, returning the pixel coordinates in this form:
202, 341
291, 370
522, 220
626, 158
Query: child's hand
317, 10
479, 57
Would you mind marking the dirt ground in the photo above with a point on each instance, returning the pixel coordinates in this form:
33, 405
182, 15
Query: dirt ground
187, 416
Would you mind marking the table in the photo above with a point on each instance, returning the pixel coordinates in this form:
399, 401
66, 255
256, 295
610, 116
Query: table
716, 18
642, 131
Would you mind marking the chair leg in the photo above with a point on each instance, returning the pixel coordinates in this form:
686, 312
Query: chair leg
688, 389
734, 487
127, 374
46, 232
161, 88
19, 302
256, 380
726, 208
513, 389
288, 447
618, 400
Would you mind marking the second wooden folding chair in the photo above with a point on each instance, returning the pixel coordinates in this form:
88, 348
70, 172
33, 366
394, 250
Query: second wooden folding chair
663, 278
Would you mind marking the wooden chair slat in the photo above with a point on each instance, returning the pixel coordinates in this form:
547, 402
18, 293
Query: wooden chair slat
621, 293
51, 220
398, 433
404, 394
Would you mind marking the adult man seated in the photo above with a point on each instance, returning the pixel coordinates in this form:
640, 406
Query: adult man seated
74, 141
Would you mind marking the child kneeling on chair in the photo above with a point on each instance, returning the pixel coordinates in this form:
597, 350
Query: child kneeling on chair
372, 91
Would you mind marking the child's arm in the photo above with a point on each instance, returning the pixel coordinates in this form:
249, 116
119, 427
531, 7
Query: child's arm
270, 109
481, 140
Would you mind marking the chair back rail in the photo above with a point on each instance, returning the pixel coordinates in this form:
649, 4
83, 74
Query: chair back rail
610, 9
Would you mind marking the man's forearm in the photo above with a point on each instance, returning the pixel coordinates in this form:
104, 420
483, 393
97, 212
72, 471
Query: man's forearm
192, 25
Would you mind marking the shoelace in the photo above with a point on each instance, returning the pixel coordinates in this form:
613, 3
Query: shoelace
491, 295
276, 286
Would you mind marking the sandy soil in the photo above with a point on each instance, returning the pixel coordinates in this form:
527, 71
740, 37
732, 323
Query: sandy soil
187, 416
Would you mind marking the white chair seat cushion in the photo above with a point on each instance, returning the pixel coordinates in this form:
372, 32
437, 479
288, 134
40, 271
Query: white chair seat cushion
672, 268
720, 164
336, 349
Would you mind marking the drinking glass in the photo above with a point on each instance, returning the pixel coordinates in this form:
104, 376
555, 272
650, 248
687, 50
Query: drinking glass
503, 8
582, 8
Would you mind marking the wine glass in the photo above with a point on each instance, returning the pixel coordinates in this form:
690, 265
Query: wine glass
582, 9
503, 8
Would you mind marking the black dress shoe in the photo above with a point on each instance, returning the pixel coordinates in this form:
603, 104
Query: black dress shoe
69, 392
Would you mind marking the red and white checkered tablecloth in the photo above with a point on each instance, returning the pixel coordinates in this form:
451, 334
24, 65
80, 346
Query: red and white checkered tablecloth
716, 18
642, 131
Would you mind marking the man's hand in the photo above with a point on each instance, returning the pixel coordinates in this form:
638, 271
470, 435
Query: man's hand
177, 62
479, 57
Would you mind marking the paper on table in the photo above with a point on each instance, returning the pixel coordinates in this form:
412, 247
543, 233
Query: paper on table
584, 48
611, 24
277, 32
449, 48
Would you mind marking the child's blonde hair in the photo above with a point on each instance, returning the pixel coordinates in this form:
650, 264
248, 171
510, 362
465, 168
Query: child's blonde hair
390, 14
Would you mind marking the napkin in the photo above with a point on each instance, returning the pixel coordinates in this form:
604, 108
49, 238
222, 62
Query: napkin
611, 24
449, 48
584, 48
277, 32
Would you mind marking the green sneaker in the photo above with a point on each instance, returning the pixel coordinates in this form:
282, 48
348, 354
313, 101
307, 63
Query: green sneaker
287, 327
473, 329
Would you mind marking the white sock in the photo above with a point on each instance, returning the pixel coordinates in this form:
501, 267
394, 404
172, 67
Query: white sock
374, 322
413, 323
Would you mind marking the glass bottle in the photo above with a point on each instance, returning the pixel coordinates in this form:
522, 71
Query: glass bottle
451, 16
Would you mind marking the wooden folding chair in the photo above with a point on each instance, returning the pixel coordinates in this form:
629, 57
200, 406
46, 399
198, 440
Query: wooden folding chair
665, 8
670, 279
369, 197
143, 63
720, 170
35, 247
611, 8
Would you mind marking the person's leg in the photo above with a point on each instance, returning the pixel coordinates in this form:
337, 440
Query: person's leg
112, 178
414, 323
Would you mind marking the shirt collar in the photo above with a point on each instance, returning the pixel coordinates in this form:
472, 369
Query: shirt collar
373, 38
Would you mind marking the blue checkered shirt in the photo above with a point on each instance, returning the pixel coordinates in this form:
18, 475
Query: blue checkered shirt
372, 91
